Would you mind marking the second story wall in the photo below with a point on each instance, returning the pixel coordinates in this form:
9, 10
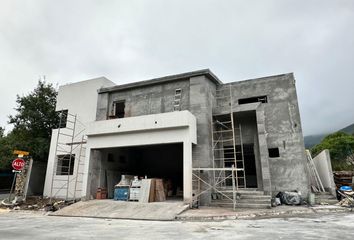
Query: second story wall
279, 93
80, 98
145, 100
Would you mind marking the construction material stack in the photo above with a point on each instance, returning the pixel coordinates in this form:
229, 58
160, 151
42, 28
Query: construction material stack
135, 189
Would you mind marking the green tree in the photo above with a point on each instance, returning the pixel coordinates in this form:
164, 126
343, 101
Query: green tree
340, 146
2, 132
33, 123
7, 144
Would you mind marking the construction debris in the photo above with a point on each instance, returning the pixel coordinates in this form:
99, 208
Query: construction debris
316, 183
38, 204
347, 195
142, 190
290, 198
343, 178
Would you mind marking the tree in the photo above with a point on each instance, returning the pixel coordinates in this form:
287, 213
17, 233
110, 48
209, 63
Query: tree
340, 146
33, 124
2, 132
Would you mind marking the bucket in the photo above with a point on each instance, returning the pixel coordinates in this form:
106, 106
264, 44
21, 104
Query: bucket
101, 193
311, 198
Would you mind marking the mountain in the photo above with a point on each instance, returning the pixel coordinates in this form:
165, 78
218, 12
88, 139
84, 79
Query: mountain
312, 140
348, 129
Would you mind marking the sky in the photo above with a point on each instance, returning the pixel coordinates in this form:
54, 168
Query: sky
126, 41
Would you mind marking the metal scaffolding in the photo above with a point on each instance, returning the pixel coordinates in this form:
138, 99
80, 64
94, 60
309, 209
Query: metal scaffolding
228, 167
70, 140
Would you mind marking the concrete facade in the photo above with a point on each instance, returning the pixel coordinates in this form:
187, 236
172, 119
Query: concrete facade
79, 99
149, 118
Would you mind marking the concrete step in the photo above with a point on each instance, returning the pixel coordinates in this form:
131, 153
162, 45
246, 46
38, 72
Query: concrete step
240, 205
255, 200
246, 198
251, 197
244, 192
323, 193
253, 205
325, 198
326, 201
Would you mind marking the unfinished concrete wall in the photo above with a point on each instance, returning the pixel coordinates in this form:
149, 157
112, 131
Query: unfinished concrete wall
324, 168
202, 96
37, 179
113, 163
279, 126
144, 100
282, 130
276, 123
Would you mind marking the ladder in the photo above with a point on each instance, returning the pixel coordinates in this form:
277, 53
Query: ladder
80, 167
177, 100
69, 129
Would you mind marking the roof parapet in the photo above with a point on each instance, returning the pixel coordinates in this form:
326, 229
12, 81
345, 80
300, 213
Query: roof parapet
209, 74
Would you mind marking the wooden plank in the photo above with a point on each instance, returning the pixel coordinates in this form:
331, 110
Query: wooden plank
152, 190
159, 191
145, 190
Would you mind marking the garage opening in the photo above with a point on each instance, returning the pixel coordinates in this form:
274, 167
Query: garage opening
163, 161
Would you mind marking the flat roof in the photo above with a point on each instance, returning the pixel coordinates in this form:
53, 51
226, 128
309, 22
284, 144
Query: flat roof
206, 72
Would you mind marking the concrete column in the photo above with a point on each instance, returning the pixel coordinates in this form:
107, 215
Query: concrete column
187, 171
102, 106
85, 192
263, 149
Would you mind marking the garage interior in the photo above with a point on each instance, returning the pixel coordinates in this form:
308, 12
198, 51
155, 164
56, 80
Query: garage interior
164, 161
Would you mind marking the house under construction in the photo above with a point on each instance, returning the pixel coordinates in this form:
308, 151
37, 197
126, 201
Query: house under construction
210, 140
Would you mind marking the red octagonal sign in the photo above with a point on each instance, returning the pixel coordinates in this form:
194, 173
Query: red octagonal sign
18, 164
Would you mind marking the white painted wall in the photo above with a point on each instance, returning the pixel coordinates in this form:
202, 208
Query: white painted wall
172, 127
324, 168
79, 99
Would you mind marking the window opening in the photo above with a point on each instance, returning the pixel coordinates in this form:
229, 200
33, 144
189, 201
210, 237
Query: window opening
273, 152
262, 99
65, 166
62, 118
118, 110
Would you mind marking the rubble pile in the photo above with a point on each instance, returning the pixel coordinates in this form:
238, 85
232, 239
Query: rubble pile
39, 204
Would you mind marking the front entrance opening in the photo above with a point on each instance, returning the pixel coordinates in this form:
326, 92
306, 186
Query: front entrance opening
248, 121
164, 161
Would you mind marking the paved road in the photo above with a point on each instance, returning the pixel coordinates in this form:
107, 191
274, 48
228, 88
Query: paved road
35, 226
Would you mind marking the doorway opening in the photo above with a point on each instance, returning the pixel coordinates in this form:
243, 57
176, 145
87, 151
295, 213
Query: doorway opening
163, 161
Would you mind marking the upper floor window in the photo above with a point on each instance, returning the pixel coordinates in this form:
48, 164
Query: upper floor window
118, 109
262, 99
63, 117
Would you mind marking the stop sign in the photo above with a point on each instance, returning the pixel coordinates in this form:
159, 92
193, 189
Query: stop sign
18, 164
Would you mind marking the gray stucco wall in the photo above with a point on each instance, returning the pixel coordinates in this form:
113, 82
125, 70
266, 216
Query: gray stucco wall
145, 100
282, 129
202, 92
277, 124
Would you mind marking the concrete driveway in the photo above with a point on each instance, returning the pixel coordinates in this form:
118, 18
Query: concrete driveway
108, 208
19, 225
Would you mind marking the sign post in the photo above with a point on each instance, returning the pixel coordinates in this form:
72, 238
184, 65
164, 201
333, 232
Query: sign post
18, 164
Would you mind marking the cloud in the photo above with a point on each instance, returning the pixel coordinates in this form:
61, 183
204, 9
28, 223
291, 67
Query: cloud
127, 41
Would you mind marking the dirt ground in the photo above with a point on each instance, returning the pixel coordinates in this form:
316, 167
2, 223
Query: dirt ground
38, 203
